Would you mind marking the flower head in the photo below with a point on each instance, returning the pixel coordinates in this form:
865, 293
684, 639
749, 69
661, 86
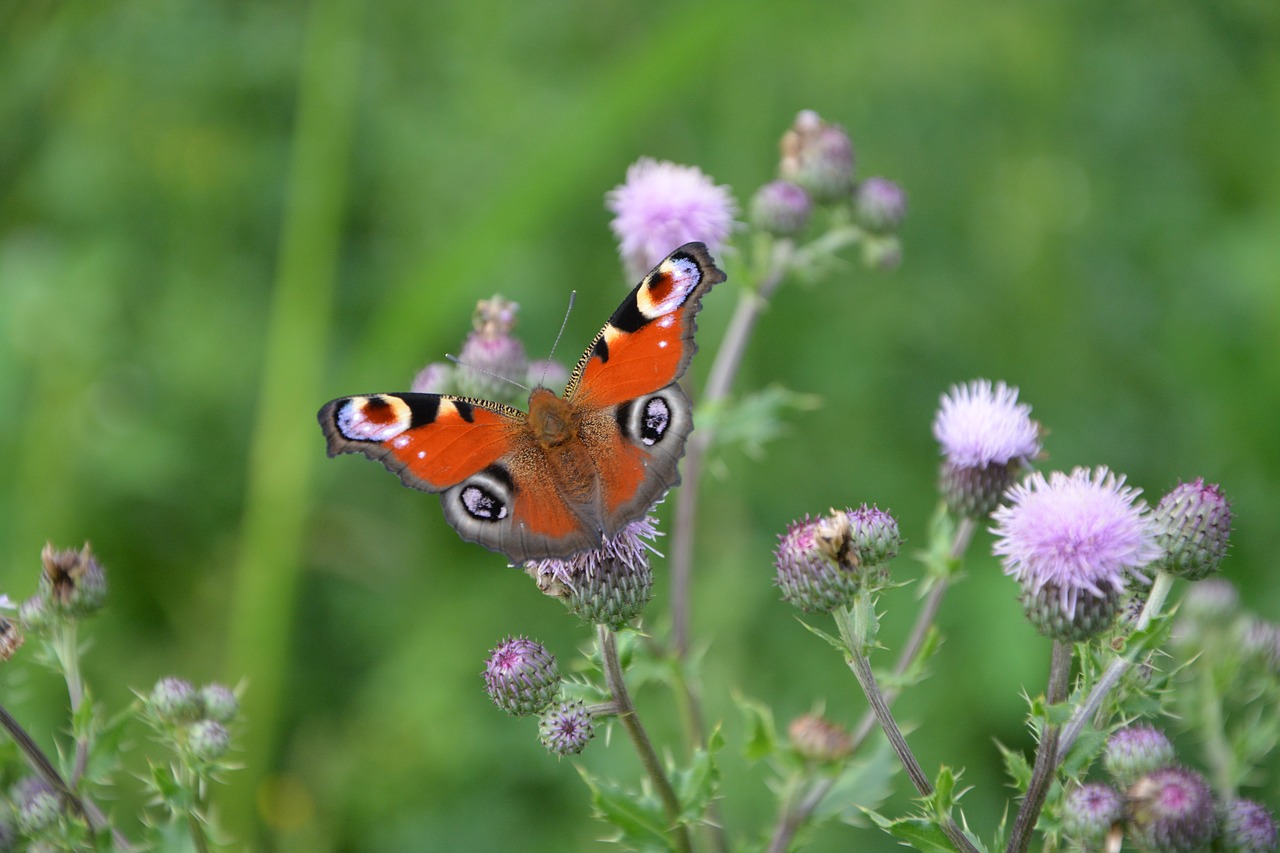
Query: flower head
880, 204
609, 585
1193, 522
822, 563
781, 208
566, 728
1172, 811
818, 156
219, 702
1070, 540
1247, 827
209, 740
73, 582
521, 677
662, 206
986, 437
174, 700
491, 354
815, 738
435, 378
1135, 751
1090, 811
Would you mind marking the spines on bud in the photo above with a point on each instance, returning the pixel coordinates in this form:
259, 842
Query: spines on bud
566, 728
1193, 524
1135, 751
521, 676
822, 564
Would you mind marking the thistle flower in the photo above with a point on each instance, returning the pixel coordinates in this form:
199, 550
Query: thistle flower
73, 582
521, 677
822, 563
879, 205
209, 740
174, 700
566, 728
1248, 827
662, 206
1072, 541
1135, 751
491, 353
609, 585
219, 702
1172, 811
818, 156
1089, 812
986, 437
1193, 523
818, 739
781, 208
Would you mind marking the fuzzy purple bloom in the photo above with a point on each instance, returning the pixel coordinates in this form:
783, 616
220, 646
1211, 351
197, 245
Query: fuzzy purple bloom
662, 206
1247, 827
880, 204
1076, 534
1172, 811
979, 424
609, 585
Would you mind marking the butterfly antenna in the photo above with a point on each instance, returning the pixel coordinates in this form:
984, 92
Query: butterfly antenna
573, 294
497, 376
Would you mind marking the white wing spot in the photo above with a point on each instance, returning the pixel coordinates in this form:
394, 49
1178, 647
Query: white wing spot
422, 454
401, 441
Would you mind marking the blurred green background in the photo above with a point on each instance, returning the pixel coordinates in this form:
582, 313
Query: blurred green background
216, 216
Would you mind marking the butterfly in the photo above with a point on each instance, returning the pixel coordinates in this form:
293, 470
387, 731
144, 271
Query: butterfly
573, 470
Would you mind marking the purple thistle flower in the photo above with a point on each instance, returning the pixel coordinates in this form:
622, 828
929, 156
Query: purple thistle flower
880, 204
986, 437
822, 563
609, 585
662, 206
491, 353
781, 208
521, 676
566, 728
1247, 827
1073, 537
1172, 811
1090, 811
818, 156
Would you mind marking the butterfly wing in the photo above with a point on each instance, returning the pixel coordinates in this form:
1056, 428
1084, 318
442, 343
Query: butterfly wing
495, 483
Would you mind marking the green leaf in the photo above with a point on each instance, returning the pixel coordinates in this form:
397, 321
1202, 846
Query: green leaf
1016, 766
638, 817
864, 785
755, 419
696, 785
836, 642
762, 735
916, 832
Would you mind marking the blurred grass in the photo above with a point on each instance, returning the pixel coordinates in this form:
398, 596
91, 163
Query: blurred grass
1093, 217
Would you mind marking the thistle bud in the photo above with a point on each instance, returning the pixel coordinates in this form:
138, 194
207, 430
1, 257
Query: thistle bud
879, 205
73, 582
818, 157
1172, 811
521, 677
987, 438
609, 585
1135, 751
566, 728
174, 700
820, 740
1090, 811
38, 806
1248, 827
219, 702
1193, 523
823, 563
491, 353
209, 740
781, 208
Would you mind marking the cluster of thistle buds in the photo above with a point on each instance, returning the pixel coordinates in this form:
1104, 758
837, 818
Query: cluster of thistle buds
817, 168
521, 677
1160, 806
193, 720
824, 563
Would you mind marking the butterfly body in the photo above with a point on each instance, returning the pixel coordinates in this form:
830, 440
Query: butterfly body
573, 470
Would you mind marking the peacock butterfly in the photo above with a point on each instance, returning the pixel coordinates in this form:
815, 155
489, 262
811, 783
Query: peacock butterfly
574, 469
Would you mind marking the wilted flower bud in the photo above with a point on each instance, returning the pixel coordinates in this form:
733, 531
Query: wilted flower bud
879, 204
1172, 811
1135, 751
1193, 523
38, 806
209, 740
609, 585
818, 156
491, 353
521, 676
566, 728
817, 739
174, 700
781, 208
73, 582
1090, 811
1248, 827
219, 702
10, 638
986, 437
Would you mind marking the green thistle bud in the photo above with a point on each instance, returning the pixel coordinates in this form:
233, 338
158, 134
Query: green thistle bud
37, 805
35, 615
1090, 812
1172, 811
209, 740
521, 677
1193, 523
816, 739
823, 563
781, 208
1135, 751
566, 728
219, 702
1053, 615
879, 204
174, 700
73, 582
609, 585
1248, 827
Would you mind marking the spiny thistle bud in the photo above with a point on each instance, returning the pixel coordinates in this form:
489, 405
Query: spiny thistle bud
38, 806
818, 156
521, 677
609, 585
1172, 811
209, 740
1248, 827
219, 702
1090, 811
781, 208
174, 700
566, 728
1193, 523
822, 563
435, 378
820, 740
1135, 751
879, 205
491, 353
10, 638
73, 582
986, 437
1071, 542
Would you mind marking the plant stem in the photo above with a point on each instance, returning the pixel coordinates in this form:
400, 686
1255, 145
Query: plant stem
67, 649
640, 739
1046, 755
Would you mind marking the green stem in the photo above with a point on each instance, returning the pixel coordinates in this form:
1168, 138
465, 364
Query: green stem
640, 739
67, 649
1046, 755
